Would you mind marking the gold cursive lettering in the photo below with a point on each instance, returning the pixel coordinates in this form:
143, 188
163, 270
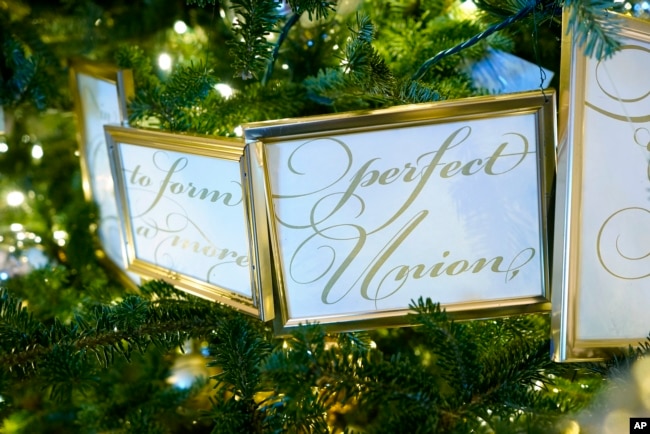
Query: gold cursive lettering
628, 257
209, 250
170, 186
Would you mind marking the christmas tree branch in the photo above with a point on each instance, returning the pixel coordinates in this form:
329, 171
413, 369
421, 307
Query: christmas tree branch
523, 13
594, 28
134, 323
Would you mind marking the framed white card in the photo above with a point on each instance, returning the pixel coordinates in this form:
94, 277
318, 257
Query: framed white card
185, 214
601, 266
100, 95
371, 210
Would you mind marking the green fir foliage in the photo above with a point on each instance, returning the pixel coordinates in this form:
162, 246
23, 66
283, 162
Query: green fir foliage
256, 19
596, 29
28, 69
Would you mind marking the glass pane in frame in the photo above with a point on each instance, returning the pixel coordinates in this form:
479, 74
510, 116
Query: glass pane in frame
601, 270
100, 95
372, 210
184, 213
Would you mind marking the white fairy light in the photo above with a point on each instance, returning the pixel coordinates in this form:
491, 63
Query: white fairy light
15, 198
37, 152
60, 237
225, 90
285, 66
3, 146
180, 27
165, 62
239, 131
468, 6
16, 227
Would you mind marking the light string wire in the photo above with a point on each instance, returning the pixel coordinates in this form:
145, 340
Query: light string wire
542, 73
523, 13
293, 19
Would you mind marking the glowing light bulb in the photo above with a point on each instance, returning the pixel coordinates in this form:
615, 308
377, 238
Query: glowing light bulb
37, 152
3, 147
60, 237
239, 131
15, 198
16, 227
468, 7
180, 27
165, 62
225, 90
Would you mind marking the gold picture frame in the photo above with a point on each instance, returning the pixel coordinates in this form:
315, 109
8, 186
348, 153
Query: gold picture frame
601, 258
185, 215
368, 211
100, 94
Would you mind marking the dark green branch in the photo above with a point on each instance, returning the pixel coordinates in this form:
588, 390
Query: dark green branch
523, 13
293, 19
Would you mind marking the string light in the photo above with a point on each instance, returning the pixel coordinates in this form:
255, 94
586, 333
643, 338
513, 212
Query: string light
60, 237
467, 9
225, 90
165, 62
3, 146
239, 131
37, 152
15, 198
180, 27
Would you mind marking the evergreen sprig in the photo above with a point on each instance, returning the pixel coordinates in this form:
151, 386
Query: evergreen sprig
238, 352
24, 78
251, 51
104, 332
363, 77
315, 9
175, 103
595, 28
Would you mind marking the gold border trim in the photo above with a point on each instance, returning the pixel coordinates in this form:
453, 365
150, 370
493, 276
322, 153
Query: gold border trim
212, 147
542, 104
567, 347
122, 79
